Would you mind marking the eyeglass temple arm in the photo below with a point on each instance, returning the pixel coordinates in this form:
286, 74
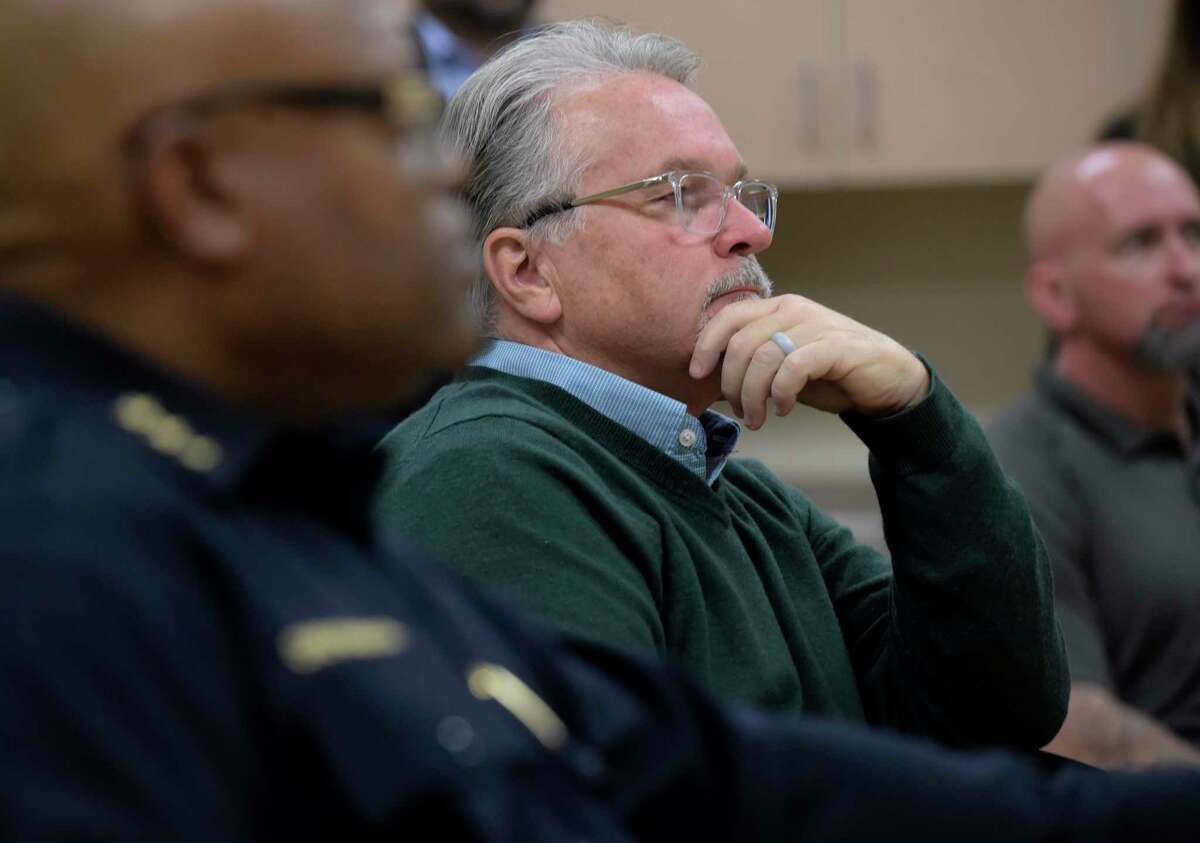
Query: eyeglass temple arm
595, 197
617, 191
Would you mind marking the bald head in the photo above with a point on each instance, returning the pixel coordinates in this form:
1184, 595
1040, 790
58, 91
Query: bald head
1077, 195
216, 185
1113, 235
74, 74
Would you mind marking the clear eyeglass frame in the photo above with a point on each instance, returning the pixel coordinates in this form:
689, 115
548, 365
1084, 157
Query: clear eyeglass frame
697, 192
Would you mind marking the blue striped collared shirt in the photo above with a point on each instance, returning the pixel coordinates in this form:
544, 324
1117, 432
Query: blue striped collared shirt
701, 445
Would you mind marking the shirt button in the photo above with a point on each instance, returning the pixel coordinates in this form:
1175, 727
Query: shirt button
587, 763
458, 738
687, 437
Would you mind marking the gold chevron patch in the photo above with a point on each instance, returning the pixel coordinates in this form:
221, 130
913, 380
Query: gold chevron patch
309, 646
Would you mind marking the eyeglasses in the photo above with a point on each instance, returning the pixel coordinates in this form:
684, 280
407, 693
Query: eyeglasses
701, 200
406, 101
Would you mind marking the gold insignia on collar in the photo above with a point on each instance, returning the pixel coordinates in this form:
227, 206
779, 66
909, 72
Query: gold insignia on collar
309, 646
493, 682
138, 412
166, 433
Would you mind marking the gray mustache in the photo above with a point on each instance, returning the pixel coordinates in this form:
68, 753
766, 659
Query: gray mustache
749, 274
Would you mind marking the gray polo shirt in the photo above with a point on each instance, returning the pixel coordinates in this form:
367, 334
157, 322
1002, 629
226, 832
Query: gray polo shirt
1119, 508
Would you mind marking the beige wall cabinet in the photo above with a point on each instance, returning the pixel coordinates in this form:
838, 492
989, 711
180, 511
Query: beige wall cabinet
905, 91
954, 89
765, 71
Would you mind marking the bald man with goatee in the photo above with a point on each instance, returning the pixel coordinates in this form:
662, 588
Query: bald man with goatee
1105, 447
220, 222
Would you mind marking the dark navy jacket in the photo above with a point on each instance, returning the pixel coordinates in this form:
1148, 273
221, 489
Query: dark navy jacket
204, 638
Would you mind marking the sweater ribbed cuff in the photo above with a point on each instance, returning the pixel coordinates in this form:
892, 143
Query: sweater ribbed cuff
936, 432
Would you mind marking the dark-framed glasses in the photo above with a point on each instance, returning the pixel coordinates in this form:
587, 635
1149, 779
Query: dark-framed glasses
406, 101
701, 200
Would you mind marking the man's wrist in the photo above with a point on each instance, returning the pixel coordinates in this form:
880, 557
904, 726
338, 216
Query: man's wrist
924, 385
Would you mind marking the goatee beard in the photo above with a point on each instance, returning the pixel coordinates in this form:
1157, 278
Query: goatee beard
1171, 346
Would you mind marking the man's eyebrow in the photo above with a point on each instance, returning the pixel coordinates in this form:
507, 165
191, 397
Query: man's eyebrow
696, 164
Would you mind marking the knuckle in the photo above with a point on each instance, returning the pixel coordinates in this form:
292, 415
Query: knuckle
765, 354
791, 366
739, 345
793, 303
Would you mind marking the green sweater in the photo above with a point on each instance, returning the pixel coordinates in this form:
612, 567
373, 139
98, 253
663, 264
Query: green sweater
765, 599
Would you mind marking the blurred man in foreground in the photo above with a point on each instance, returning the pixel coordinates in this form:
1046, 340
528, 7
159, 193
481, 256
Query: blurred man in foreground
1105, 447
214, 247
577, 463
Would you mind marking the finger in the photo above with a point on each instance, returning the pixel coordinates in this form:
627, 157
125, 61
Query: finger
714, 338
783, 402
757, 381
798, 317
746, 351
750, 348
803, 375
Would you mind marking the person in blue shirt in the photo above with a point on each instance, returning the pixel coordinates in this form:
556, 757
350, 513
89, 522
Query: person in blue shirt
219, 248
454, 37
451, 39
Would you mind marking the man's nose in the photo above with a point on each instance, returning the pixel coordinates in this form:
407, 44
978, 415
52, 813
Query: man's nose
1184, 255
743, 233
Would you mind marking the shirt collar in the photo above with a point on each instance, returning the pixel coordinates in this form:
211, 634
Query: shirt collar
1126, 436
701, 445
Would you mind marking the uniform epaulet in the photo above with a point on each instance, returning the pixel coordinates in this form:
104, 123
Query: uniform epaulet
144, 416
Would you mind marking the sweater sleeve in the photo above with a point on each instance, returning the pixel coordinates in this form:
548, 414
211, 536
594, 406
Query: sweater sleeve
963, 643
496, 498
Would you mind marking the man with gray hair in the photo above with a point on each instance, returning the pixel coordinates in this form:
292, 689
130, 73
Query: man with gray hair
576, 464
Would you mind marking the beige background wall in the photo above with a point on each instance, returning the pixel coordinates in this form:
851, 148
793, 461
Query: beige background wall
938, 268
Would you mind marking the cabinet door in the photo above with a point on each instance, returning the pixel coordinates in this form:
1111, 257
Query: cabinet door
964, 89
765, 71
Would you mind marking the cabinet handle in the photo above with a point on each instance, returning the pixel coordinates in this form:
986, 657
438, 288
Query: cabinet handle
808, 102
866, 106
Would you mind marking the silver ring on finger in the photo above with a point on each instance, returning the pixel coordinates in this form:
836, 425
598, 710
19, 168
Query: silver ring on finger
784, 342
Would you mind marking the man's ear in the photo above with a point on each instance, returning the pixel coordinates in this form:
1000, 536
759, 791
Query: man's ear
522, 278
184, 199
1050, 296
